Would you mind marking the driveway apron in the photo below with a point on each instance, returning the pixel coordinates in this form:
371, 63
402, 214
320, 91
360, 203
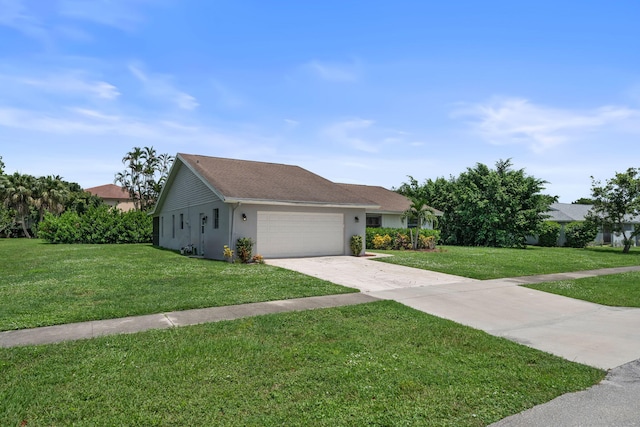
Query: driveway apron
600, 336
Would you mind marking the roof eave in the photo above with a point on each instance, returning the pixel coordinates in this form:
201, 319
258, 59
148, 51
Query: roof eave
298, 203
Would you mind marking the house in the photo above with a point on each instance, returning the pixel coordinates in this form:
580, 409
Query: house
392, 206
209, 202
564, 213
113, 195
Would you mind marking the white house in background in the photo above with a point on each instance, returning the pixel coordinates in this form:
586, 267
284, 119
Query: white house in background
392, 206
564, 213
113, 195
209, 202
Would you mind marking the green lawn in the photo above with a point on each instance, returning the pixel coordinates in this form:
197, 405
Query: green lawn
44, 284
619, 290
492, 263
373, 364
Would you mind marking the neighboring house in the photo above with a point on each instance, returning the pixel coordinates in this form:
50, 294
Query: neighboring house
113, 195
564, 213
392, 206
209, 202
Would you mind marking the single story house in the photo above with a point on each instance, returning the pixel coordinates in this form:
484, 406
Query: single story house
209, 202
564, 213
113, 195
392, 206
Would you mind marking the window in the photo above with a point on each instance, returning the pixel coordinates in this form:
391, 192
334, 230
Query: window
216, 218
161, 226
173, 226
181, 221
374, 221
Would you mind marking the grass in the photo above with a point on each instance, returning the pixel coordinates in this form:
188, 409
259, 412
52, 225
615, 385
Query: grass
493, 263
373, 364
44, 284
618, 290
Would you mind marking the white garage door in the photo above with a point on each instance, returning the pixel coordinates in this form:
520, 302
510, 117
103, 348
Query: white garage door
293, 234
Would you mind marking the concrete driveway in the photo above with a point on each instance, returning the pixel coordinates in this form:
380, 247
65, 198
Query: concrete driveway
600, 336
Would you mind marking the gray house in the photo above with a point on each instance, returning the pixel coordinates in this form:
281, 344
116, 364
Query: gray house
392, 206
209, 202
564, 213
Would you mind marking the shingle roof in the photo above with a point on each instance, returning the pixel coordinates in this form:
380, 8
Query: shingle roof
243, 180
109, 191
567, 212
389, 201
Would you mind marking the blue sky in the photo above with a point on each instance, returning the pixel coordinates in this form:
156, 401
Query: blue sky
357, 91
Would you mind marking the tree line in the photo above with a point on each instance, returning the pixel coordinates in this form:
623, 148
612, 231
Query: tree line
501, 207
28, 202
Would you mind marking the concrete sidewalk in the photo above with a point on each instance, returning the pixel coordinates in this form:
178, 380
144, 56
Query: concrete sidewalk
84, 330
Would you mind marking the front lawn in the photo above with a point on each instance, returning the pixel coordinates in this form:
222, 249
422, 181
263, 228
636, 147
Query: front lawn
618, 290
44, 284
373, 364
493, 263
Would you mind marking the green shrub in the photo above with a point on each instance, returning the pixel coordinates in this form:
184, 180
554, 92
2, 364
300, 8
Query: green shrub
398, 238
549, 233
356, 245
102, 225
244, 249
580, 233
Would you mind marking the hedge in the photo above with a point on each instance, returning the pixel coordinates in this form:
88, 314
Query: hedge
101, 224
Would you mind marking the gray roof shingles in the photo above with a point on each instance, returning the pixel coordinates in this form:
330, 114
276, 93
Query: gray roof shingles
245, 180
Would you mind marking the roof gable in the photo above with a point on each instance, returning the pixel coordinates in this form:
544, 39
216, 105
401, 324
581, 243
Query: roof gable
242, 180
109, 191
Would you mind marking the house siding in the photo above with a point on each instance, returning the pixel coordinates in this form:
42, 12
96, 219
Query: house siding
190, 199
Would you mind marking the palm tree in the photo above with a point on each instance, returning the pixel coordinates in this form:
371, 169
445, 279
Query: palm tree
18, 195
419, 210
51, 195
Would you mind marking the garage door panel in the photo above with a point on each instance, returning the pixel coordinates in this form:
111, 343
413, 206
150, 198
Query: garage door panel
283, 234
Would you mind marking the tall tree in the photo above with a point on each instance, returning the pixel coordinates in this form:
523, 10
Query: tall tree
144, 175
488, 207
51, 194
18, 195
616, 202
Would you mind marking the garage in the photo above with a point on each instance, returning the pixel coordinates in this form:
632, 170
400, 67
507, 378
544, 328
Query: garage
294, 234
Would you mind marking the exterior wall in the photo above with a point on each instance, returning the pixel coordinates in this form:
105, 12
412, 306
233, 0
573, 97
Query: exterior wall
187, 219
249, 228
393, 221
124, 206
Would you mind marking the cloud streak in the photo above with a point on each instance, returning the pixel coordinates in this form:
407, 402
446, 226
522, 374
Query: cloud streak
518, 121
333, 72
160, 87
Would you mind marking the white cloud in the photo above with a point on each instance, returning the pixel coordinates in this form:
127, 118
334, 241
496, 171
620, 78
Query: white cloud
14, 14
72, 82
349, 132
160, 87
120, 14
333, 72
518, 121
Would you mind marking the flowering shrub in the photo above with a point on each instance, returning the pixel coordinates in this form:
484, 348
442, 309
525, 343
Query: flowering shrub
426, 242
258, 259
382, 242
227, 252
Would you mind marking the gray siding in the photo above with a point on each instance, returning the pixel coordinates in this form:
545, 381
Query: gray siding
187, 189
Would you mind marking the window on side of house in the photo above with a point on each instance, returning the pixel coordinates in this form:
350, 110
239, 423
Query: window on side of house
173, 226
374, 221
161, 226
216, 218
181, 221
